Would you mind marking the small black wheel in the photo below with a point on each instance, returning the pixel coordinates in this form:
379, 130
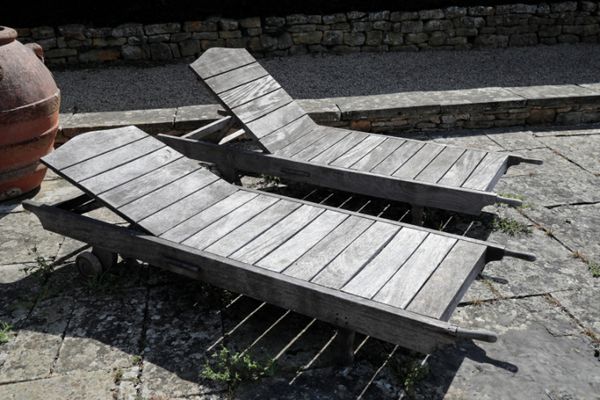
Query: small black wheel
108, 259
88, 264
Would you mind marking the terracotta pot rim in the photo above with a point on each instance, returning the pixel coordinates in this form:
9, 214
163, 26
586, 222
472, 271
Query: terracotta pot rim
7, 35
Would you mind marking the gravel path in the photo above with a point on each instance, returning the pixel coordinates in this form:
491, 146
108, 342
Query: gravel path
313, 76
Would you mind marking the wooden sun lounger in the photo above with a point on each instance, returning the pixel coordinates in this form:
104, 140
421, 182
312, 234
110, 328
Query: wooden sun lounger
389, 280
296, 148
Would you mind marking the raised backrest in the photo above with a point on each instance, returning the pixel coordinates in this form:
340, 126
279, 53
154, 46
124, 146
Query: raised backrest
251, 94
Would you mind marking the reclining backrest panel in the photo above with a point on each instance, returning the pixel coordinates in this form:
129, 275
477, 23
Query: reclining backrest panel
252, 95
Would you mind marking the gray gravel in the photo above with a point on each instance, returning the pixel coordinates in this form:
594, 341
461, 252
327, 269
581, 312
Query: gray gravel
128, 87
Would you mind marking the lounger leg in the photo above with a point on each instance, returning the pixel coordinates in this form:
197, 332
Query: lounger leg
231, 175
417, 215
343, 347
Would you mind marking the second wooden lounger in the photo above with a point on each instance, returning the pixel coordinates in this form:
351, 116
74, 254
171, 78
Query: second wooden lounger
296, 148
389, 280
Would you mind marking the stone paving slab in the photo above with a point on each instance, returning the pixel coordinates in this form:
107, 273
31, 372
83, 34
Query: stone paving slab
466, 139
576, 149
143, 333
540, 94
95, 385
191, 117
540, 353
591, 129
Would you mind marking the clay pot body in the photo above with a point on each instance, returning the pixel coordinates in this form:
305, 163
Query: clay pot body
29, 107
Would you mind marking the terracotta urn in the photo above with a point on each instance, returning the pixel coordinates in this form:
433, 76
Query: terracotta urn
29, 107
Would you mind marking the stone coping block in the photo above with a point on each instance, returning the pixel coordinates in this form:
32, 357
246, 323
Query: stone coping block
417, 111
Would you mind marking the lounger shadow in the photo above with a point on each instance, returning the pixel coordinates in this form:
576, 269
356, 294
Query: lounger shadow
296, 148
385, 279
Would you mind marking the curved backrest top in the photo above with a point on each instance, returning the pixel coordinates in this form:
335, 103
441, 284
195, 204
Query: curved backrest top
251, 94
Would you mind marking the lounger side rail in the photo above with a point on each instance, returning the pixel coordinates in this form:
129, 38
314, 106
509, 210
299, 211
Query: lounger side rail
229, 161
372, 318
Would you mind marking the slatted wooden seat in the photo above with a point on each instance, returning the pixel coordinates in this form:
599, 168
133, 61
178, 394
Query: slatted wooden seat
423, 174
393, 281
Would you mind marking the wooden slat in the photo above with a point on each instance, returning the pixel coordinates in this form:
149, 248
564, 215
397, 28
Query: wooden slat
359, 151
329, 139
149, 182
307, 266
227, 223
218, 60
262, 106
277, 234
461, 170
489, 170
407, 281
354, 257
253, 228
275, 120
419, 161
132, 170
395, 160
236, 77
302, 142
294, 248
442, 163
377, 155
352, 139
288, 134
444, 289
207, 216
112, 159
249, 91
104, 142
379, 270
186, 207
157, 200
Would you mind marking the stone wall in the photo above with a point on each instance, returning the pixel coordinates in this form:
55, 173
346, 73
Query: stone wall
449, 110
354, 31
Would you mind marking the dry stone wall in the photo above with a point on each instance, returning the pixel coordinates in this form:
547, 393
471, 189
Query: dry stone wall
354, 31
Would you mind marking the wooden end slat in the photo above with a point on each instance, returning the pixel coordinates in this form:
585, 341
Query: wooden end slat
407, 281
249, 91
288, 134
275, 120
277, 234
443, 290
262, 106
419, 161
327, 140
379, 270
349, 141
207, 216
359, 151
186, 207
251, 229
307, 266
395, 160
487, 173
237, 77
342, 268
304, 240
219, 60
104, 142
157, 200
440, 165
149, 182
112, 159
461, 170
377, 155
226, 223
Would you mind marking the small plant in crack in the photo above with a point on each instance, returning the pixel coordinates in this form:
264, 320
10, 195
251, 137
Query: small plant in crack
118, 376
510, 226
136, 360
410, 374
594, 269
270, 180
5, 332
43, 267
232, 369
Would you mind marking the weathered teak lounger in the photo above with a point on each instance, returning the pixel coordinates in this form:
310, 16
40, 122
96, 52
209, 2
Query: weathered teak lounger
416, 172
389, 280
